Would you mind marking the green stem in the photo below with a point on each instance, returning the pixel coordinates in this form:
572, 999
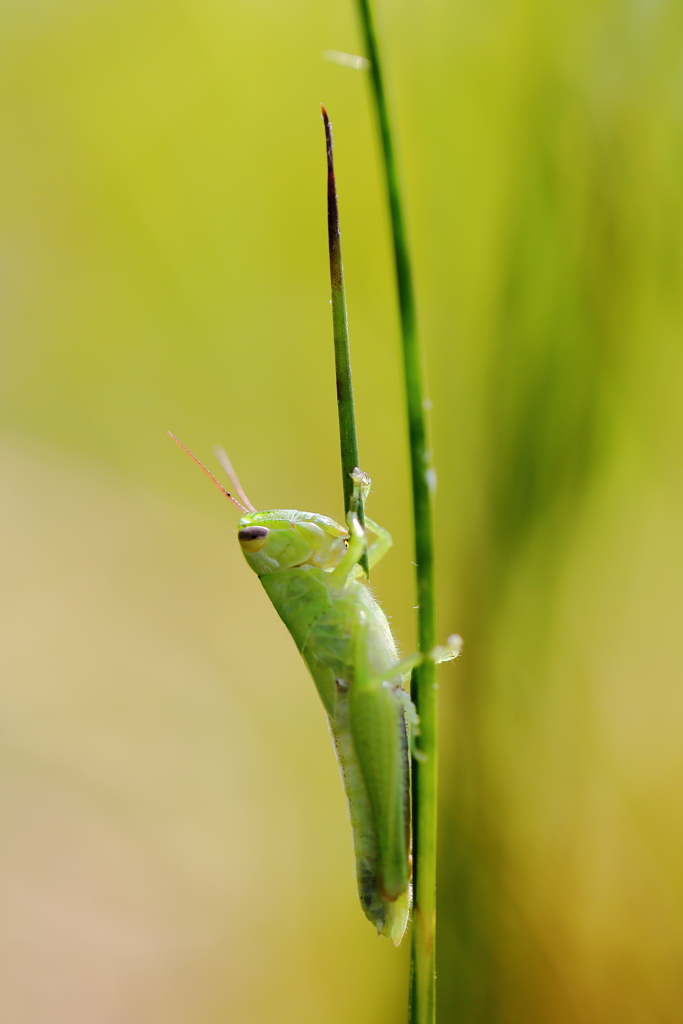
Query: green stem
422, 977
348, 442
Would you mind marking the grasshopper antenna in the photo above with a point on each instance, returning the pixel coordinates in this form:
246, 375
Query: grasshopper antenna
225, 462
208, 472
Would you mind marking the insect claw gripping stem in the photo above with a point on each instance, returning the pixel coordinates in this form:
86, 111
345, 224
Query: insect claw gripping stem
361, 487
354, 551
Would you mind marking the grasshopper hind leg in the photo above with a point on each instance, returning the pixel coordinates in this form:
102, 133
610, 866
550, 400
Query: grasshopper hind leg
373, 908
390, 917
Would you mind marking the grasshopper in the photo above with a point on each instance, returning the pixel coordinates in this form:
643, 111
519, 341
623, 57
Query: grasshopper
309, 567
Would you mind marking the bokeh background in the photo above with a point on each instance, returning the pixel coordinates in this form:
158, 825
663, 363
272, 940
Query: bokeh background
174, 839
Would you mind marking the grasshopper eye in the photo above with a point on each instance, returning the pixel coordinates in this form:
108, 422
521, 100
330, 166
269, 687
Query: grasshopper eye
253, 538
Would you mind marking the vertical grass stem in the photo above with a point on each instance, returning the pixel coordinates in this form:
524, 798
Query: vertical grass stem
422, 978
348, 441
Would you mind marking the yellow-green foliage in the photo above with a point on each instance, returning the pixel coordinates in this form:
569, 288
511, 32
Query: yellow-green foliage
175, 846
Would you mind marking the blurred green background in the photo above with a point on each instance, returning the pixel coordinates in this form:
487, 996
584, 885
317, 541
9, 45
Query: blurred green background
174, 838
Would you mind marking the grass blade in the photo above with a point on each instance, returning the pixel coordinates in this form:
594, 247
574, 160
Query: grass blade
422, 976
348, 441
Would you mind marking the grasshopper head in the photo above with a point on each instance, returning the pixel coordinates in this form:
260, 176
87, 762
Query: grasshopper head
284, 538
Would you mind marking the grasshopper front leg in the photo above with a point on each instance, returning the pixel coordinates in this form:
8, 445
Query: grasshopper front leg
349, 567
353, 554
377, 540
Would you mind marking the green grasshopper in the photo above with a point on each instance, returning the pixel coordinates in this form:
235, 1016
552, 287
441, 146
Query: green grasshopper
309, 567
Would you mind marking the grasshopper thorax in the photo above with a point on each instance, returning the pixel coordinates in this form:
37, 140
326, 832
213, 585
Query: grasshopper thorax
285, 538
